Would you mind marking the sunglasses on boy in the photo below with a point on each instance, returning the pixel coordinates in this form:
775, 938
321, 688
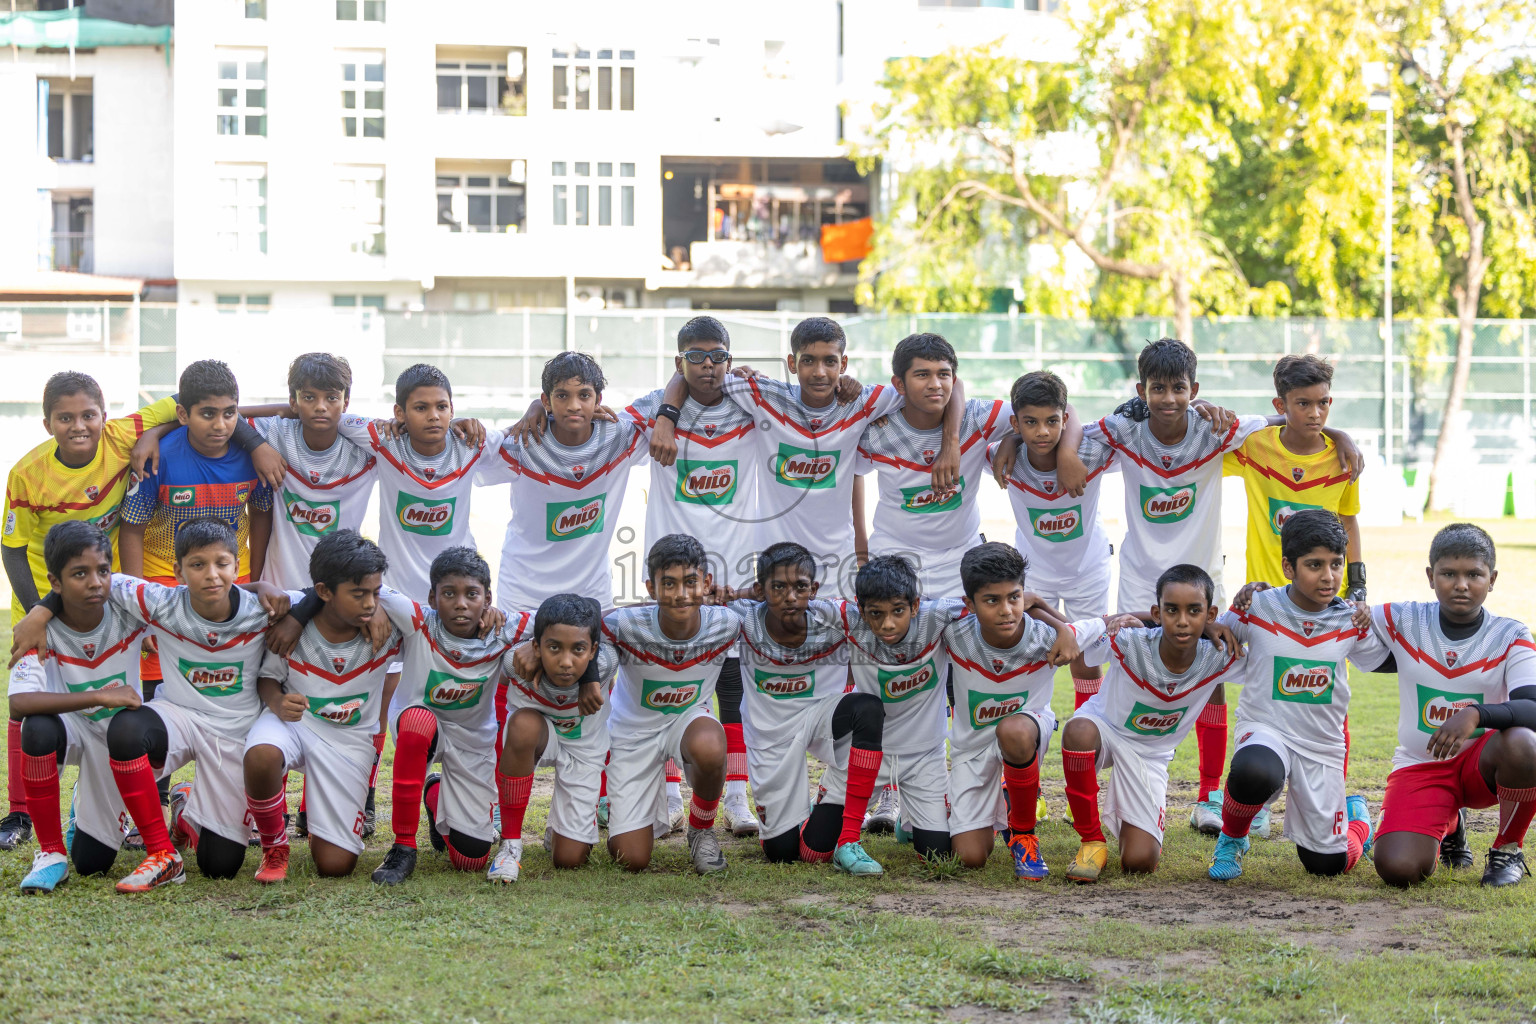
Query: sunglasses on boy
714, 355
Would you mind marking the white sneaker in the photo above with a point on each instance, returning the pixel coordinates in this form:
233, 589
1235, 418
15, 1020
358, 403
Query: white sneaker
677, 815
882, 813
507, 862
1205, 817
739, 817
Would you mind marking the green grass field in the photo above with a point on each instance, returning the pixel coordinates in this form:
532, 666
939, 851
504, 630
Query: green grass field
792, 943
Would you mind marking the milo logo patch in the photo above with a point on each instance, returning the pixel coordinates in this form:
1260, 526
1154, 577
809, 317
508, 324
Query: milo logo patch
212, 679
109, 683
107, 521
805, 468
182, 496
571, 519
1149, 721
1057, 524
424, 516
706, 483
924, 498
897, 685
1167, 504
346, 710
784, 686
670, 698
1280, 511
987, 709
567, 728
311, 518
1437, 706
1302, 681
448, 692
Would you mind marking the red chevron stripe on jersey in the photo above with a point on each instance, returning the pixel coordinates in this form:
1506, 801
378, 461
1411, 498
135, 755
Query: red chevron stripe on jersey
862, 413
1425, 658
1172, 471
1166, 698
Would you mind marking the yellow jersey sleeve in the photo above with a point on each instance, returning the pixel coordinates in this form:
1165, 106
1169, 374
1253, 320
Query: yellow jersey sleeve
124, 432
1349, 500
20, 516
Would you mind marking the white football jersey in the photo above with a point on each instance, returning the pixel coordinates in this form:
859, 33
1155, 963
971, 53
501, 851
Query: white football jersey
1172, 494
565, 506
561, 707
907, 676
1437, 676
100, 659
322, 493
710, 491
343, 682
424, 500
1145, 703
1062, 537
658, 676
779, 683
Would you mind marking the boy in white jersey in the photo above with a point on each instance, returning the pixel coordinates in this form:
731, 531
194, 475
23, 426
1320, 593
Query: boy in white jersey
323, 703
1467, 708
899, 655
89, 671
707, 458
325, 487
670, 655
568, 483
211, 637
1158, 681
795, 662
1004, 657
1291, 714
1060, 531
930, 464
559, 718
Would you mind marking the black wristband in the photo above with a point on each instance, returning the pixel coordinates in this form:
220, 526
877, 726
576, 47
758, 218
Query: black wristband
247, 436
671, 412
1354, 576
589, 674
54, 602
309, 607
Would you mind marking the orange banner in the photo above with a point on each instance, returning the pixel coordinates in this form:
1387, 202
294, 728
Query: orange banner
847, 241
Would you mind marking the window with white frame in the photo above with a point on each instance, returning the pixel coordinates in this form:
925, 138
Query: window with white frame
481, 202
254, 10
589, 194
242, 92
351, 302
241, 216
359, 10
593, 79
362, 94
234, 304
360, 209
483, 87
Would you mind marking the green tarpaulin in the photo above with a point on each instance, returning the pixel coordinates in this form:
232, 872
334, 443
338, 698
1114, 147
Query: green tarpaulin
62, 30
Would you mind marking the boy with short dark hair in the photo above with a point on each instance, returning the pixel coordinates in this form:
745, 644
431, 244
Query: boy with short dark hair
212, 634
323, 703
89, 670
80, 474
927, 511
1291, 714
670, 655
1467, 711
1004, 662
559, 718
796, 663
1158, 681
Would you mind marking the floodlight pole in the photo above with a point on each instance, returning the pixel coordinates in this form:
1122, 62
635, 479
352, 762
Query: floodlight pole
1386, 297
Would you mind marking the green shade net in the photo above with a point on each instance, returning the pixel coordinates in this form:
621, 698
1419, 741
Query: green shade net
62, 30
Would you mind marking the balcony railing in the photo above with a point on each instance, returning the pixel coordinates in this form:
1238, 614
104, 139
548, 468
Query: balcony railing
70, 250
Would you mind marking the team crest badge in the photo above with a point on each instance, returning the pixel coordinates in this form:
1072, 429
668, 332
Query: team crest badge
338, 664
578, 471
1050, 485
1450, 658
90, 650
1308, 627
314, 477
241, 495
709, 430
213, 638
1297, 473
815, 424
429, 472
1244, 737
1167, 461
997, 664
677, 654
92, 491
927, 456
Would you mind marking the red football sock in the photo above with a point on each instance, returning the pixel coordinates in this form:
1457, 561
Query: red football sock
1211, 738
303, 793
1023, 785
15, 786
1354, 843
1082, 689
513, 792
268, 816
1516, 806
811, 856
136, 784
466, 863
1237, 818
414, 733
863, 768
674, 773
701, 813
378, 755
41, 778
429, 800
735, 754
500, 702
1083, 793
